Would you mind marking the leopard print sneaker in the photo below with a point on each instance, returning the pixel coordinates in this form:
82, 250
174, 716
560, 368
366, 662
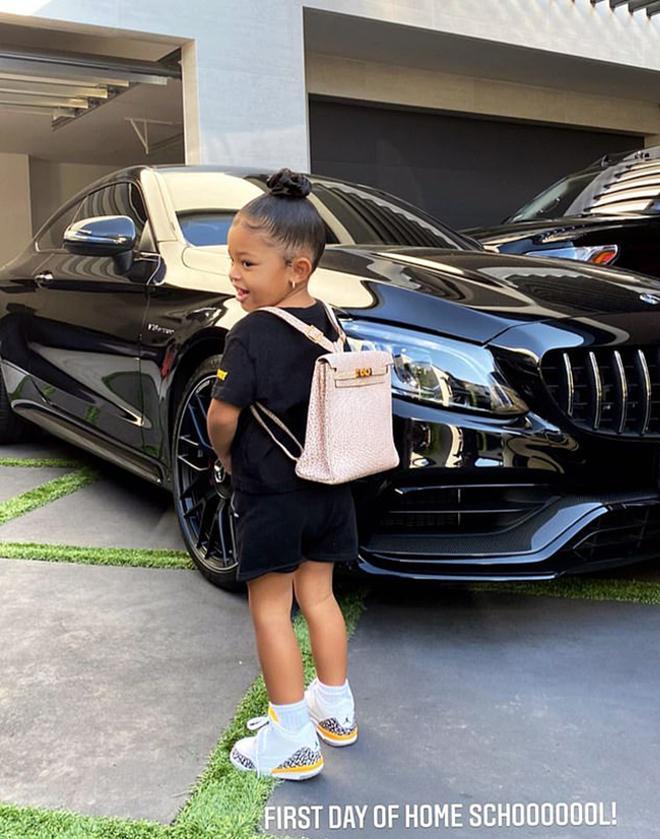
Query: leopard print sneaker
335, 725
278, 752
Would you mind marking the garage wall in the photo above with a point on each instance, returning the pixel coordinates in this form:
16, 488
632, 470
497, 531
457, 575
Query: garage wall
16, 227
466, 171
51, 183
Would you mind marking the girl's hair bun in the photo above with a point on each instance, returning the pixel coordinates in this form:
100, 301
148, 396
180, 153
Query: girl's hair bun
289, 184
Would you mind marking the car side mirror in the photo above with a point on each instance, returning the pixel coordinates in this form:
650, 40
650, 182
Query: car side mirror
100, 236
113, 236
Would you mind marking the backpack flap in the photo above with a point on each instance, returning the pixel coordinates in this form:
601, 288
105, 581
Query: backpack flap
359, 368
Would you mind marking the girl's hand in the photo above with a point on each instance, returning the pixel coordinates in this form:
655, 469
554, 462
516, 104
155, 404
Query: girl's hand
226, 463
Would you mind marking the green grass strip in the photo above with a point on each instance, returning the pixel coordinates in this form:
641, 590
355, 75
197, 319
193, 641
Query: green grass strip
31, 823
63, 462
44, 494
224, 802
629, 591
133, 557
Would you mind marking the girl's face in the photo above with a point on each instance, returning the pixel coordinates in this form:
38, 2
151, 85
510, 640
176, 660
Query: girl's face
258, 270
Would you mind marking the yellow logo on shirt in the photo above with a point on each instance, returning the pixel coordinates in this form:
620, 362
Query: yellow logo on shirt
222, 374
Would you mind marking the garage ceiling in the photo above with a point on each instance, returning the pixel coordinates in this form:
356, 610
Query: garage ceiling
87, 106
66, 85
104, 136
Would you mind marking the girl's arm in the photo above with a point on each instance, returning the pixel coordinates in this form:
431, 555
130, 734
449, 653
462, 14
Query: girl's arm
221, 423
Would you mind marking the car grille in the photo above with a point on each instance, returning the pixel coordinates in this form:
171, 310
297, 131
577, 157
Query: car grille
610, 391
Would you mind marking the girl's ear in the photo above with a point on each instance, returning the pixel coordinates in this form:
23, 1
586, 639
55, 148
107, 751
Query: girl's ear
302, 268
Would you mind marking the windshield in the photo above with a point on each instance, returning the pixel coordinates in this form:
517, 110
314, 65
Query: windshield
555, 200
205, 204
629, 187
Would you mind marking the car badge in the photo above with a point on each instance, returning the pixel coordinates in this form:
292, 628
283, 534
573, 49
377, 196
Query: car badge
653, 299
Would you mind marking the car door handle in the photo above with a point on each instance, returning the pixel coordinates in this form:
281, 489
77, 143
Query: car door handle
44, 277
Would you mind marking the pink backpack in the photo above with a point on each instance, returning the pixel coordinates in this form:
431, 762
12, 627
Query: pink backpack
349, 422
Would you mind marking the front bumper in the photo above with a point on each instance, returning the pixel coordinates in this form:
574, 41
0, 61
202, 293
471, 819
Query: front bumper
505, 500
575, 534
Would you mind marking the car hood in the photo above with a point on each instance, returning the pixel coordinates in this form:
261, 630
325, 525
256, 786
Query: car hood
477, 294
548, 229
473, 295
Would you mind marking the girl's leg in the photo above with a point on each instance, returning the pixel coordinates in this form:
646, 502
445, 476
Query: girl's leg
270, 598
312, 583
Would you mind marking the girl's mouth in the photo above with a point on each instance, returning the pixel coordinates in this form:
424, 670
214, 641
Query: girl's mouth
241, 294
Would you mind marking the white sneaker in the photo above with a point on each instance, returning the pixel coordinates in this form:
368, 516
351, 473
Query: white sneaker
278, 751
335, 724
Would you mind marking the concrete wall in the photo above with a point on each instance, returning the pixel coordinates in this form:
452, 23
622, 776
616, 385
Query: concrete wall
374, 82
16, 226
566, 27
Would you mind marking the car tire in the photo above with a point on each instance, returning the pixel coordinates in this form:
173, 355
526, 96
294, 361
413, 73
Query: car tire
200, 485
12, 428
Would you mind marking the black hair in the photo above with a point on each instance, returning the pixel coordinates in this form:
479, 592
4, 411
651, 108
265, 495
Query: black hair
284, 214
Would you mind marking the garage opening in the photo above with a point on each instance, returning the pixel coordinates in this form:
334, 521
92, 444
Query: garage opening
465, 170
74, 107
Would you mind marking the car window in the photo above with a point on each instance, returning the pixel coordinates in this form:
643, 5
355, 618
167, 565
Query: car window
361, 215
121, 199
211, 228
352, 213
51, 237
208, 228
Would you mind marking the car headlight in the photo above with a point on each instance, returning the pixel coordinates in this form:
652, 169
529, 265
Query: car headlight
596, 254
442, 371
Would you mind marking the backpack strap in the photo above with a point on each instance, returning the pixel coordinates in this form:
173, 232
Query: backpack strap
309, 330
279, 422
333, 319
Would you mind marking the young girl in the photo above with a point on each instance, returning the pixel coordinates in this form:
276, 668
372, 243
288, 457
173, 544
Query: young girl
289, 531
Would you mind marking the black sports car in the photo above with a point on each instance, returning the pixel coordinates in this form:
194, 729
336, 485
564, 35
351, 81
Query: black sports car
526, 392
607, 214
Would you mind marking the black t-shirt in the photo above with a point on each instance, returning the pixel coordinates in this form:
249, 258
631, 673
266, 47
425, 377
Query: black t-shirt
266, 360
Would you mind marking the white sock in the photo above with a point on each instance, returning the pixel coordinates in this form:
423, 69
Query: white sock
333, 693
292, 715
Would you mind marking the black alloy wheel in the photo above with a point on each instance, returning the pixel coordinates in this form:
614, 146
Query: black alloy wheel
201, 486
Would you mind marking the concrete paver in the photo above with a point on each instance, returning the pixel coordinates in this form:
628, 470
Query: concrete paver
111, 512
43, 445
116, 684
15, 480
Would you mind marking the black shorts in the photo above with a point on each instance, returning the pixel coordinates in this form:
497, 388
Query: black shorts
279, 530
